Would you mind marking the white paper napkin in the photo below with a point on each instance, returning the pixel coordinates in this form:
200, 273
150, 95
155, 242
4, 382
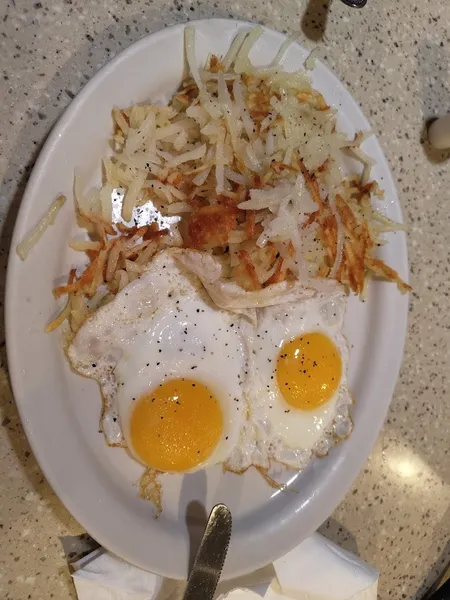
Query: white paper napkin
316, 570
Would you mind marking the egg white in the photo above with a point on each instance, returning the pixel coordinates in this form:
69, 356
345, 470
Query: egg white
163, 327
276, 431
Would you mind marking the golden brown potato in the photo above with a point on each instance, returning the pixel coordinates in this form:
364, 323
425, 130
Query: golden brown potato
210, 225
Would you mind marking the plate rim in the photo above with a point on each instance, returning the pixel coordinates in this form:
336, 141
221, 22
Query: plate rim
353, 464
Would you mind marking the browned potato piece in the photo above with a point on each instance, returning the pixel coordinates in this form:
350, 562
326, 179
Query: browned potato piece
210, 225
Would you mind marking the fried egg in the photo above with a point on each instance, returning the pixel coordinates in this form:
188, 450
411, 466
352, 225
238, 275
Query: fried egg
172, 369
299, 397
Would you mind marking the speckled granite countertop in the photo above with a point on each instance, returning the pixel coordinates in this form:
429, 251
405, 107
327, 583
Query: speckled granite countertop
394, 57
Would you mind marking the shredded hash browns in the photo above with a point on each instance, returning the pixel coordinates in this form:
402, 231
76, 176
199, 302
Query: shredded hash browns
244, 163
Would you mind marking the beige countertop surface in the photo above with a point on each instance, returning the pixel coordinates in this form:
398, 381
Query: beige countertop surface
394, 57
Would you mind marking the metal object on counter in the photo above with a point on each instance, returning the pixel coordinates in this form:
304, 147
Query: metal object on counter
355, 3
441, 589
439, 133
211, 554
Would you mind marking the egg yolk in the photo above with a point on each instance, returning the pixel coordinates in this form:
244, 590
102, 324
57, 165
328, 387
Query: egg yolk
308, 370
177, 426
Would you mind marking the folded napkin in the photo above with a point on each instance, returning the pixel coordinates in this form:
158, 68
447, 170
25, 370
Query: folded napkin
316, 570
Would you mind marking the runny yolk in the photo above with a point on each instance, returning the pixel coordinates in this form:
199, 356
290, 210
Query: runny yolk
308, 370
177, 426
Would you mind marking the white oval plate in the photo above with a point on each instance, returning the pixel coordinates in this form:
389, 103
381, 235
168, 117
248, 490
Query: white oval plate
60, 410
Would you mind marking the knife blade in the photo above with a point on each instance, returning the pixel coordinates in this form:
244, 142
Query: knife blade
210, 557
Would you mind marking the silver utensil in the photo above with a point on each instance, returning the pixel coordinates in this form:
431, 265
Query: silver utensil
355, 3
210, 557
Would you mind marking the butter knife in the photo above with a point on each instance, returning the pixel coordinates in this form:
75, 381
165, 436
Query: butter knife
210, 557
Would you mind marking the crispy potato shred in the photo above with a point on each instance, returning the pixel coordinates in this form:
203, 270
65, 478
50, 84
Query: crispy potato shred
150, 489
245, 164
114, 263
